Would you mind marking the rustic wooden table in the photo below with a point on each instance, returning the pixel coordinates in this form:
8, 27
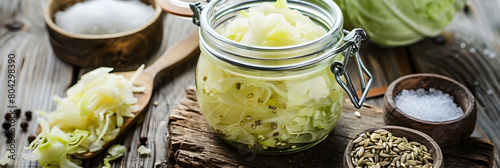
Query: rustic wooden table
460, 54
193, 143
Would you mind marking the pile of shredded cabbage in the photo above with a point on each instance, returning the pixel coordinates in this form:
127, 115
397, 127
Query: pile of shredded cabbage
91, 115
262, 112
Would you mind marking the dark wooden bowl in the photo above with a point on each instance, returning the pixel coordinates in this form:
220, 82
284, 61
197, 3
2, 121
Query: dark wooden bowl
113, 50
410, 134
445, 133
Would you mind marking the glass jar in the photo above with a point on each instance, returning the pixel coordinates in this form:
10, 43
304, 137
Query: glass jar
273, 100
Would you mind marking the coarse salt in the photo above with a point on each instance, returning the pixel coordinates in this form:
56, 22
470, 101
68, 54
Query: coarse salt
432, 105
104, 16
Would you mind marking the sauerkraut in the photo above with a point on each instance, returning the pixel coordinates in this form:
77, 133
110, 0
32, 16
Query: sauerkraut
266, 113
273, 25
91, 115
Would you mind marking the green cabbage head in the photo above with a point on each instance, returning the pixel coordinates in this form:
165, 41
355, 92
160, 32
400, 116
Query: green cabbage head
399, 22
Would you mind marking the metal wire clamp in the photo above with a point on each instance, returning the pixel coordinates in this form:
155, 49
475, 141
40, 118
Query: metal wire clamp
352, 45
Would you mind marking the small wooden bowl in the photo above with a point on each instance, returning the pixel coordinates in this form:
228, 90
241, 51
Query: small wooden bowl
410, 134
445, 133
113, 50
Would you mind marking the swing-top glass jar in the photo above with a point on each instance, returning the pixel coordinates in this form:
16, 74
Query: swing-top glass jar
274, 100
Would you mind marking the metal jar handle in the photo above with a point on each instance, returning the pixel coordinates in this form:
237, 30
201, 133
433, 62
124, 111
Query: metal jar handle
350, 48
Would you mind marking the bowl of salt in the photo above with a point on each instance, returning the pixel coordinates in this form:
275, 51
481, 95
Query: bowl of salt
439, 106
94, 33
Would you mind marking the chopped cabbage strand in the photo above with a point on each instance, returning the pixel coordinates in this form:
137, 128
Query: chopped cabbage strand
5, 159
90, 115
116, 151
51, 147
143, 150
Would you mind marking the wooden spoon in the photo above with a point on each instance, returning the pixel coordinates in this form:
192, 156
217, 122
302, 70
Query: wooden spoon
175, 55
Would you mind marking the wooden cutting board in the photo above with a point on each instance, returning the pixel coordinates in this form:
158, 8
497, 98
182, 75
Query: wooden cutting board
192, 143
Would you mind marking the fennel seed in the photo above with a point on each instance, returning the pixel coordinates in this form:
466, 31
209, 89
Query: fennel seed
274, 126
258, 122
382, 149
250, 95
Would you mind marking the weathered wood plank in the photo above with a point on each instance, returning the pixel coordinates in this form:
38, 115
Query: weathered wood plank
192, 143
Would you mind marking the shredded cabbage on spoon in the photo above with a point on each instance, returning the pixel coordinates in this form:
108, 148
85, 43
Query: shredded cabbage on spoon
90, 116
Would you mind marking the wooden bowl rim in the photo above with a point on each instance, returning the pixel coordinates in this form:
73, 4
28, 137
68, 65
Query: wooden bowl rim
437, 159
48, 20
467, 112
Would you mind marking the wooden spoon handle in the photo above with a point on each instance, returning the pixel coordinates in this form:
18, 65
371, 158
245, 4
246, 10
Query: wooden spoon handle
375, 92
176, 54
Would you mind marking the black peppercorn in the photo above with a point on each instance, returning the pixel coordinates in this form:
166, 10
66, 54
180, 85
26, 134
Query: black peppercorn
9, 134
466, 9
8, 116
143, 140
14, 26
31, 138
6, 125
439, 40
28, 115
24, 126
18, 112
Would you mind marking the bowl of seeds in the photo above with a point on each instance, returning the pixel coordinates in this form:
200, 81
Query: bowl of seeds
392, 147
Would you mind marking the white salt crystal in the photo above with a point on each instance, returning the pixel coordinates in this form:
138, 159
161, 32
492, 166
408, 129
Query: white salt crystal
104, 16
432, 105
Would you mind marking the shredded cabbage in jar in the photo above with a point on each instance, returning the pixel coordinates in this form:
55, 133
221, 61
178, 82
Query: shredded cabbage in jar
266, 113
253, 111
90, 116
273, 25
